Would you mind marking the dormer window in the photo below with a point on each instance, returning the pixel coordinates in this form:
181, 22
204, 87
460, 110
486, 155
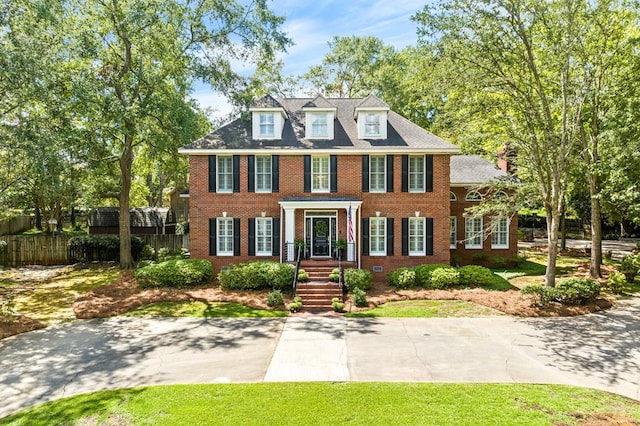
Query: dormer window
372, 123
267, 123
319, 122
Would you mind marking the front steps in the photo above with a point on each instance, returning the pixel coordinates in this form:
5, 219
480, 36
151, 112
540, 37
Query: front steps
318, 292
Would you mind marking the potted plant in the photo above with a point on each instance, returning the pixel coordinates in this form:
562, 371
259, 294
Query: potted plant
629, 267
341, 246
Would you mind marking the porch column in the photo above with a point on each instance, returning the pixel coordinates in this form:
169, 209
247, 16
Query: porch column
352, 232
290, 232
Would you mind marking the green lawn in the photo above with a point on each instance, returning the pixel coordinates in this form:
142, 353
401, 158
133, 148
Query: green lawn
426, 309
202, 310
335, 403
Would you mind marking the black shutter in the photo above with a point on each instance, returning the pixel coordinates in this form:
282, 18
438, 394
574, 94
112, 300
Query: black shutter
365, 173
275, 250
275, 173
365, 236
333, 173
307, 173
405, 173
405, 236
236, 236
389, 173
212, 236
212, 173
251, 180
429, 174
252, 236
429, 231
236, 173
389, 236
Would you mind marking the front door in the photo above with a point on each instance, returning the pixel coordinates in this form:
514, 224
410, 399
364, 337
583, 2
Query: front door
321, 236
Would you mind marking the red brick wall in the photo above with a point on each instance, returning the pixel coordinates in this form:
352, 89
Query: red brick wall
205, 205
464, 255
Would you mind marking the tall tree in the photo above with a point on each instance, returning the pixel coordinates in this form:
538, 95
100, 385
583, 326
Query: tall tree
516, 59
131, 62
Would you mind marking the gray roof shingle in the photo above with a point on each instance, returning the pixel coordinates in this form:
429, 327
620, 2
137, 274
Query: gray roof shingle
473, 170
401, 133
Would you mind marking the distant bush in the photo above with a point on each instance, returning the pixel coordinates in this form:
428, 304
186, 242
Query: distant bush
360, 298
479, 257
274, 298
571, 291
444, 277
178, 273
256, 275
475, 275
616, 282
357, 278
402, 278
423, 273
85, 248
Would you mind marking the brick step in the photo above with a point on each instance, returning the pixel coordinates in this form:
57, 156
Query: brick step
336, 291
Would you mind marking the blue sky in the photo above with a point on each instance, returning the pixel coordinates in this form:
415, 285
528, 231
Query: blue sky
312, 24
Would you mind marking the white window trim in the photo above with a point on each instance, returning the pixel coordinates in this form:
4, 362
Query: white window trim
269, 221
328, 180
424, 167
218, 173
453, 196
278, 122
476, 234
506, 233
362, 114
453, 231
383, 252
310, 117
219, 251
473, 196
384, 174
423, 251
270, 174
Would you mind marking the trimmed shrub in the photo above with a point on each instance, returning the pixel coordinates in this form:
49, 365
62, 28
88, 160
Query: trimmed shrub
423, 273
360, 298
444, 277
334, 276
577, 291
616, 282
178, 273
256, 275
296, 305
274, 298
402, 278
357, 278
571, 291
475, 275
303, 277
337, 305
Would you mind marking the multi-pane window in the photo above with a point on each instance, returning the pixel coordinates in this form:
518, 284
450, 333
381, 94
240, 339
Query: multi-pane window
372, 124
452, 196
320, 174
225, 174
473, 232
416, 173
319, 126
267, 125
377, 234
377, 178
416, 236
263, 174
473, 196
225, 236
264, 236
453, 231
500, 233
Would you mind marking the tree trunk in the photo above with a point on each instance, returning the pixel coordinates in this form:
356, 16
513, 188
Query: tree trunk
596, 238
126, 161
38, 218
563, 227
553, 222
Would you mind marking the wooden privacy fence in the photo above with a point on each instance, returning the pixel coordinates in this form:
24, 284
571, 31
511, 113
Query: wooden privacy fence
15, 225
18, 250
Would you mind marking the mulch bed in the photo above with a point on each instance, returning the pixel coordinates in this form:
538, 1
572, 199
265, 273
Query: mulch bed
19, 324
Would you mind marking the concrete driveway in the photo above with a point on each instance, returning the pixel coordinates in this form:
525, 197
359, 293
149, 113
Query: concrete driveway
600, 351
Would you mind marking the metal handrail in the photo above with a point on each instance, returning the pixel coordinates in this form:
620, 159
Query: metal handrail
295, 275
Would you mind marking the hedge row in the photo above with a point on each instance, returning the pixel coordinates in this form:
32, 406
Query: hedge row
438, 276
178, 273
570, 291
257, 275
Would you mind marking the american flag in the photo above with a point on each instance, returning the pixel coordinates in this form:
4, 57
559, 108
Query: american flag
350, 236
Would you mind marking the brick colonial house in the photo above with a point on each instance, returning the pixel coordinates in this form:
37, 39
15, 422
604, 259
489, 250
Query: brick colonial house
323, 170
